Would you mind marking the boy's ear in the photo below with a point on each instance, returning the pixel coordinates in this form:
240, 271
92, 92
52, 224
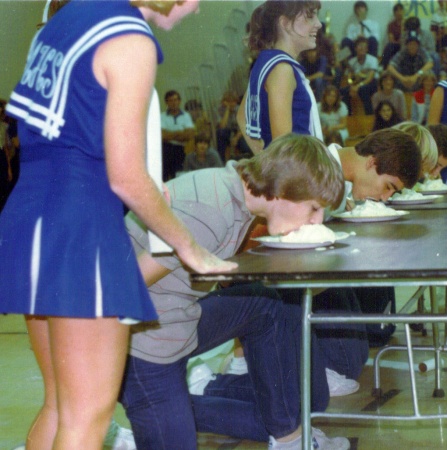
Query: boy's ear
370, 162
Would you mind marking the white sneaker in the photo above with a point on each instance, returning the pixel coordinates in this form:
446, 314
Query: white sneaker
319, 441
339, 385
20, 447
124, 440
322, 442
199, 378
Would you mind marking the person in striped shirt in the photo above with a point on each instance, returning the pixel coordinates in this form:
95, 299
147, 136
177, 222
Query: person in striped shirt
287, 186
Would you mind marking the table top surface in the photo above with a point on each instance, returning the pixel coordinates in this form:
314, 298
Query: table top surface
411, 247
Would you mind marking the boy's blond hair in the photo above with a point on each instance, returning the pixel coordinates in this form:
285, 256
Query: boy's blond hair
426, 142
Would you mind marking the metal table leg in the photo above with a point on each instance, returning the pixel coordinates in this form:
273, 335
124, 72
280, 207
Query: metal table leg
305, 377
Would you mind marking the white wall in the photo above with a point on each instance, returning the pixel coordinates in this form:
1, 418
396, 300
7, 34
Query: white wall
18, 20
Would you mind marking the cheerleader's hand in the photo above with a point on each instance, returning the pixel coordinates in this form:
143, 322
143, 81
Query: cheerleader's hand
202, 261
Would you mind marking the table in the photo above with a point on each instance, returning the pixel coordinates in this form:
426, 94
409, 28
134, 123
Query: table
410, 251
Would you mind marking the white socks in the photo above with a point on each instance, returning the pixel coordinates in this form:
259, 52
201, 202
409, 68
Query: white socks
291, 445
238, 366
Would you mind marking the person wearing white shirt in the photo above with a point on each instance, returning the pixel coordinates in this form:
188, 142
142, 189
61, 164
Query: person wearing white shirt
360, 25
362, 81
177, 128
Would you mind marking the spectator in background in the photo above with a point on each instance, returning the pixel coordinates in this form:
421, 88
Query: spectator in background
360, 26
394, 30
315, 69
363, 74
387, 91
438, 25
328, 47
203, 156
409, 64
201, 121
422, 98
412, 25
230, 140
333, 113
385, 116
177, 128
412, 28
227, 125
396, 25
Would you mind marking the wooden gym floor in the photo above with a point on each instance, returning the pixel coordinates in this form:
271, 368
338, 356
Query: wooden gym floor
21, 394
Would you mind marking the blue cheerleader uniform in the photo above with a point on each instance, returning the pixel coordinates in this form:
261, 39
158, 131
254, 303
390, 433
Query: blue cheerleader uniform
256, 107
64, 249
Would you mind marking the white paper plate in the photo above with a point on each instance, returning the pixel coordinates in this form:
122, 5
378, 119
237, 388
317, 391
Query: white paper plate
434, 192
414, 201
274, 242
349, 218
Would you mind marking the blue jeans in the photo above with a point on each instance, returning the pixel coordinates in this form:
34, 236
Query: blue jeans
156, 397
344, 347
229, 406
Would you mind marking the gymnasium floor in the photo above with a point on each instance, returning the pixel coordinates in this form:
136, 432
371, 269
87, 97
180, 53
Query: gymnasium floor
21, 394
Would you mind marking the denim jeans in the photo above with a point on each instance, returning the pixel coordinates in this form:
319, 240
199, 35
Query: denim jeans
229, 407
156, 397
344, 347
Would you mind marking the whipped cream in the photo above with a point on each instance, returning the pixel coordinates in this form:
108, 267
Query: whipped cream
431, 185
309, 234
371, 209
407, 194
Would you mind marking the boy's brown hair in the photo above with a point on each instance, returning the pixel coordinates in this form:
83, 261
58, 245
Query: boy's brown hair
295, 168
395, 152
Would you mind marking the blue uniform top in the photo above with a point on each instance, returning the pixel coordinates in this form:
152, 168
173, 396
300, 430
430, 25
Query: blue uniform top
256, 108
46, 99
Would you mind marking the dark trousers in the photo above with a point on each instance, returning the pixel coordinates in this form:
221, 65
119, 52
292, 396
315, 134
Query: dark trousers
173, 158
365, 93
229, 406
156, 397
266, 401
388, 52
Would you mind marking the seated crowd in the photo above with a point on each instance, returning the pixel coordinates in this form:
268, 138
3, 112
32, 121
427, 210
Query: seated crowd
404, 73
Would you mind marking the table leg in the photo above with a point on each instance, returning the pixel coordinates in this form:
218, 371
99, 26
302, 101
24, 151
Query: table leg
305, 371
438, 391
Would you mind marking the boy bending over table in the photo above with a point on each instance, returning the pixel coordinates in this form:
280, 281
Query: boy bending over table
384, 162
287, 185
